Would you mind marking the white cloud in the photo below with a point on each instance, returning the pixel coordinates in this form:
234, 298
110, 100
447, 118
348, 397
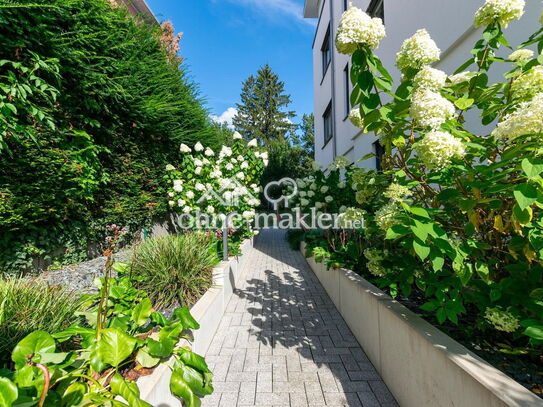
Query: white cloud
226, 116
273, 8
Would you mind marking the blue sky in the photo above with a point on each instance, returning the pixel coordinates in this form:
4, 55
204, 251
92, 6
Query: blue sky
225, 41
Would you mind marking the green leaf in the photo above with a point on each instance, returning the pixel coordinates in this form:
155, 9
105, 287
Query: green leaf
525, 195
429, 306
419, 212
181, 389
194, 360
437, 259
537, 294
186, 318
8, 392
33, 345
142, 311
159, 319
464, 103
421, 249
532, 167
522, 216
128, 391
483, 271
199, 383
74, 393
162, 348
397, 231
113, 347
534, 332
145, 359
441, 315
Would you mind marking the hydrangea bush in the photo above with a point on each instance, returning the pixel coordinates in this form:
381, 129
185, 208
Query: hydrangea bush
218, 183
455, 214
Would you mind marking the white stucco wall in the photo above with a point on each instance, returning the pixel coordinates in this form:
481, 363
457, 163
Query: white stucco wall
449, 22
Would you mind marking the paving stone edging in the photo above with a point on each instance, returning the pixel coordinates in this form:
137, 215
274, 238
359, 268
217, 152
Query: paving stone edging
421, 365
208, 311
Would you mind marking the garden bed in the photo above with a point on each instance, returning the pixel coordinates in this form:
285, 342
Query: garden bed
420, 364
208, 311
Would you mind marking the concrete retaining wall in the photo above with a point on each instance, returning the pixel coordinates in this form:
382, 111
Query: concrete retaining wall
421, 365
208, 311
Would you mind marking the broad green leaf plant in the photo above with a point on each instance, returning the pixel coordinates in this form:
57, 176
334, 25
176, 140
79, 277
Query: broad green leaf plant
95, 362
455, 213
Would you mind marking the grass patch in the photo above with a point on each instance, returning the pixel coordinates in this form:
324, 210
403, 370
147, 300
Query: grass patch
30, 305
174, 269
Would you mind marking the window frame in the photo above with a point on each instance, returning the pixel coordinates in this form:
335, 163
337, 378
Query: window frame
328, 124
379, 152
374, 7
326, 52
347, 90
345, 5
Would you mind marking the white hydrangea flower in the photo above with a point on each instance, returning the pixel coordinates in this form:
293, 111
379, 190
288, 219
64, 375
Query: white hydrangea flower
529, 83
357, 28
502, 320
209, 152
198, 147
342, 184
198, 162
318, 205
316, 166
170, 167
252, 143
461, 77
313, 187
171, 203
304, 202
184, 148
248, 215
527, 119
237, 136
324, 189
233, 160
190, 194
199, 187
240, 175
198, 170
349, 216
210, 209
226, 151
206, 161
229, 166
430, 109
310, 194
387, 216
521, 55
181, 202
437, 148
244, 165
171, 194
417, 51
429, 78
328, 199
397, 192
265, 162
356, 118
186, 209
500, 11
303, 194
342, 209
264, 155
375, 257
178, 188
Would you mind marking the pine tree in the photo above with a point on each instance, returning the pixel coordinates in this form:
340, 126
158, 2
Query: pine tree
262, 112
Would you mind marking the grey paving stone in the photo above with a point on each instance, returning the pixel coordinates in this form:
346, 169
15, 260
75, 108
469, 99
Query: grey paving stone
283, 343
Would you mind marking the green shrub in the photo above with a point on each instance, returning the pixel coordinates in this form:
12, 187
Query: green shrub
174, 268
29, 305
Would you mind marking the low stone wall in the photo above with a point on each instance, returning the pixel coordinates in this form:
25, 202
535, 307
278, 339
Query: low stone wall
208, 311
421, 365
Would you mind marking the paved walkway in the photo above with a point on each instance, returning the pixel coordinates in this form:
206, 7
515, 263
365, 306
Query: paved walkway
282, 342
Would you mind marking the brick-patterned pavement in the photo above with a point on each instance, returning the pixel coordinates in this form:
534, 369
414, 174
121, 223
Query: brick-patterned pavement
282, 342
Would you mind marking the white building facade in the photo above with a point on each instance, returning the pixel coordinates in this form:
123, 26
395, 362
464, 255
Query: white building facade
449, 22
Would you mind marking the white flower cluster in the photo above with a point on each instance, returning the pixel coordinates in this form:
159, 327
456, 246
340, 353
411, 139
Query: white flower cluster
521, 55
357, 28
527, 119
430, 109
500, 11
528, 84
387, 216
417, 51
502, 320
429, 78
397, 192
339, 163
375, 257
438, 148
460, 78
356, 118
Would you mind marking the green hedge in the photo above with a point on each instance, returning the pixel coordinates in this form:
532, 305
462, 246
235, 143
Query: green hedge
92, 108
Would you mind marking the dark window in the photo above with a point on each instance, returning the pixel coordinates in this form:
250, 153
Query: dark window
345, 4
379, 152
377, 9
327, 122
347, 90
326, 52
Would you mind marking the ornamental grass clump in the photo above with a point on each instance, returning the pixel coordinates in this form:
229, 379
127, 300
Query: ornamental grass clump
29, 305
174, 269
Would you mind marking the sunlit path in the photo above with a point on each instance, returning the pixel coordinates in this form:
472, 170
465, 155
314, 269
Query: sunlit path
282, 342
